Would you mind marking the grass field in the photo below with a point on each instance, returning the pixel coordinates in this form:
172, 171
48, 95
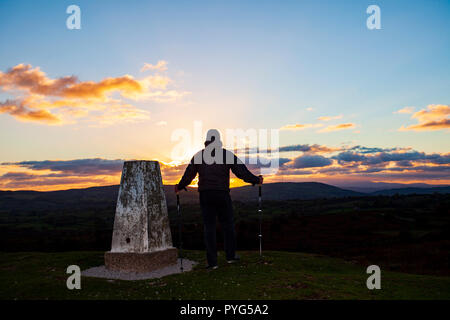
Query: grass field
280, 275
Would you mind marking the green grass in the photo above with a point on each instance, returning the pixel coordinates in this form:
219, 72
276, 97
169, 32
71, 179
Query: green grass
280, 275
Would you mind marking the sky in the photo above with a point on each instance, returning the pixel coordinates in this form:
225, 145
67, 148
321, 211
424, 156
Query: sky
352, 106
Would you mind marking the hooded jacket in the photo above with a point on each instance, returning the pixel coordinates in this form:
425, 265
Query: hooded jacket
215, 175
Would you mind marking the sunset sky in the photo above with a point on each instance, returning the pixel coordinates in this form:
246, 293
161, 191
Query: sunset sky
354, 106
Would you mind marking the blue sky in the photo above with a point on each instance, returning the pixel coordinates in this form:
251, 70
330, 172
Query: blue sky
245, 64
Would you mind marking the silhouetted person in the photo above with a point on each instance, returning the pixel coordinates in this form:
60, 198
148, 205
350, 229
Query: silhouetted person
214, 189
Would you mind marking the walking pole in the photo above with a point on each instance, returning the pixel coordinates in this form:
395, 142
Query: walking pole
260, 221
179, 232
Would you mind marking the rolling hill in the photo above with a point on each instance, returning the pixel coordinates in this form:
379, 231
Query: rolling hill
405, 191
97, 197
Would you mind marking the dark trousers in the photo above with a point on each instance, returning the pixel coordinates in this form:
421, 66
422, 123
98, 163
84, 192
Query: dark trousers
216, 203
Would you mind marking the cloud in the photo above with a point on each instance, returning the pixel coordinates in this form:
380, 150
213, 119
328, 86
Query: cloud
405, 110
316, 163
65, 174
299, 126
18, 110
386, 157
434, 117
125, 85
338, 127
315, 148
34, 81
349, 156
161, 65
428, 126
262, 162
64, 100
321, 149
376, 164
38, 182
325, 118
404, 163
432, 113
155, 81
95, 166
309, 161
330, 128
362, 149
60, 174
161, 123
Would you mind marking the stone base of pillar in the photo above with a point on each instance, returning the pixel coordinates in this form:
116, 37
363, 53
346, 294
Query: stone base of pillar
140, 262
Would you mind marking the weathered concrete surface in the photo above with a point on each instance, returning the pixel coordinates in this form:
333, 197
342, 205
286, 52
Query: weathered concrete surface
141, 223
140, 262
102, 272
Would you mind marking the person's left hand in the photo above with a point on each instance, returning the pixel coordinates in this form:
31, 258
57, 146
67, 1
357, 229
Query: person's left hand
176, 189
261, 179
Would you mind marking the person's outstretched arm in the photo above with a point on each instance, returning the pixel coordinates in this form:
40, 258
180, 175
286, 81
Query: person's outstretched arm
241, 171
188, 176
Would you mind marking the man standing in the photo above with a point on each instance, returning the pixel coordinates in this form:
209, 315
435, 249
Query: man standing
213, 165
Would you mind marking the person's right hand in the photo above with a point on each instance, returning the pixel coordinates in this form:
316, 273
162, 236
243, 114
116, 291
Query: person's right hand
261, 179
176, 189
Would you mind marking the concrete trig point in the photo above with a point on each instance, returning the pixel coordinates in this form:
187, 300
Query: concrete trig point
141, 240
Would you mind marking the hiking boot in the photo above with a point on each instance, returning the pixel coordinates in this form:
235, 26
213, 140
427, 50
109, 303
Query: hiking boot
235, 259
211, 267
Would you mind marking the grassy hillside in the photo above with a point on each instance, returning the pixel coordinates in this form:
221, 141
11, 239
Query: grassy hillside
408, 233
280, 275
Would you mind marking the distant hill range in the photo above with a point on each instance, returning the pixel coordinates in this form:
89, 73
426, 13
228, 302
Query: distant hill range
411, 190
291, 191
99, 197
372, 187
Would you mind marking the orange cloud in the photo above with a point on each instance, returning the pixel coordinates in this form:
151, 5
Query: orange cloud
338, 127
434, 117
98, 90
434, 112
160, 66
16, 109
63, 100
371, 164
24, 77
406, 110
326, 118
429, 126
299, 126
330, 128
